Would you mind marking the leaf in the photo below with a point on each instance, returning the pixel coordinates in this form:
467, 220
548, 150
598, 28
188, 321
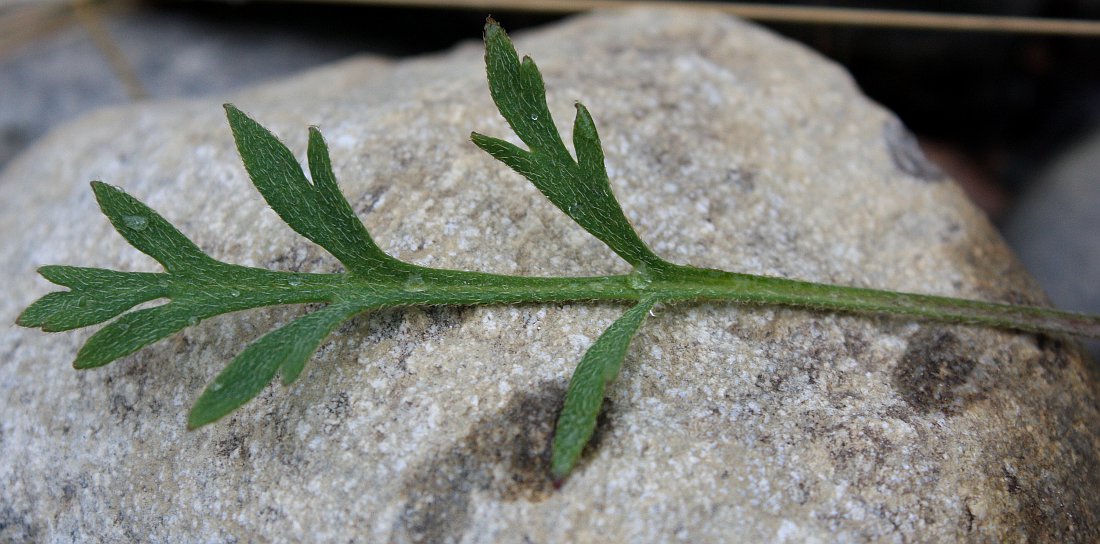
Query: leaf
132, 332
147, 231
579, 188
599, 367
96, 296
286, 348
317, 211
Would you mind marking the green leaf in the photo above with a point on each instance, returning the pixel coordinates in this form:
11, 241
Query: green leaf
147, 231
134, 331
317, 211
599, 367
578, 188
96, 296
286, 348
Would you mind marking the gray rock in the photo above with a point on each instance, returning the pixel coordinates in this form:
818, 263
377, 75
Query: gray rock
729, 147
1054, 230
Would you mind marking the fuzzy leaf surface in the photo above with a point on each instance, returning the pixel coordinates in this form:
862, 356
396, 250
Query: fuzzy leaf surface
598, 368
579, 188
285, 349
315, 210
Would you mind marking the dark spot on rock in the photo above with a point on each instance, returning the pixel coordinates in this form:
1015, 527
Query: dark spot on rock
899, 412
771, 381
367, 201
14, 347
506, 455
17, 526
274, 431
742, 179
444, 318
1054, 353
906, 153
968, 518
860, 453
301, 259
233, 444
930, 374
1012, 482
854, 343
409, 327
337, 409
120, 406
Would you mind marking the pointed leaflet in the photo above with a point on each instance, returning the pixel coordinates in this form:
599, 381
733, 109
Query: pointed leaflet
147, 231
599, 366
578, 188
317, 211
96, 296
286, 348
134, 331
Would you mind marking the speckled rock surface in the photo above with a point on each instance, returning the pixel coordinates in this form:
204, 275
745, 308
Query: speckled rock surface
729, 147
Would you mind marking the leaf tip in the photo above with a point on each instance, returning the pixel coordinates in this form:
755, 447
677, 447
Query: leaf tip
495, 36
491, 25
204, 411
194, 421
560, 468
235, 116
101, 189
23, 321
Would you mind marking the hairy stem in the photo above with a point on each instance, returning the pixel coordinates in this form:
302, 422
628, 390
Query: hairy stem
680, 284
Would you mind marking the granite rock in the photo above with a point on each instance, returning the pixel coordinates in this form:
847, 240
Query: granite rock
729, 147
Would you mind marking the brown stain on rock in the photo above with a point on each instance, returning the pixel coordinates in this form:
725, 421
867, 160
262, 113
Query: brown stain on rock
933, 371
505, 455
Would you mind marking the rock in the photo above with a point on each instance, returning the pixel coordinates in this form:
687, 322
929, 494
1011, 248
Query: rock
729, 147
1054, 230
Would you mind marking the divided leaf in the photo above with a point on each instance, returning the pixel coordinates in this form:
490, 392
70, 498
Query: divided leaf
134, 331
96, 295
315, 210
579, 188
148, 232
599, 367
286, 348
